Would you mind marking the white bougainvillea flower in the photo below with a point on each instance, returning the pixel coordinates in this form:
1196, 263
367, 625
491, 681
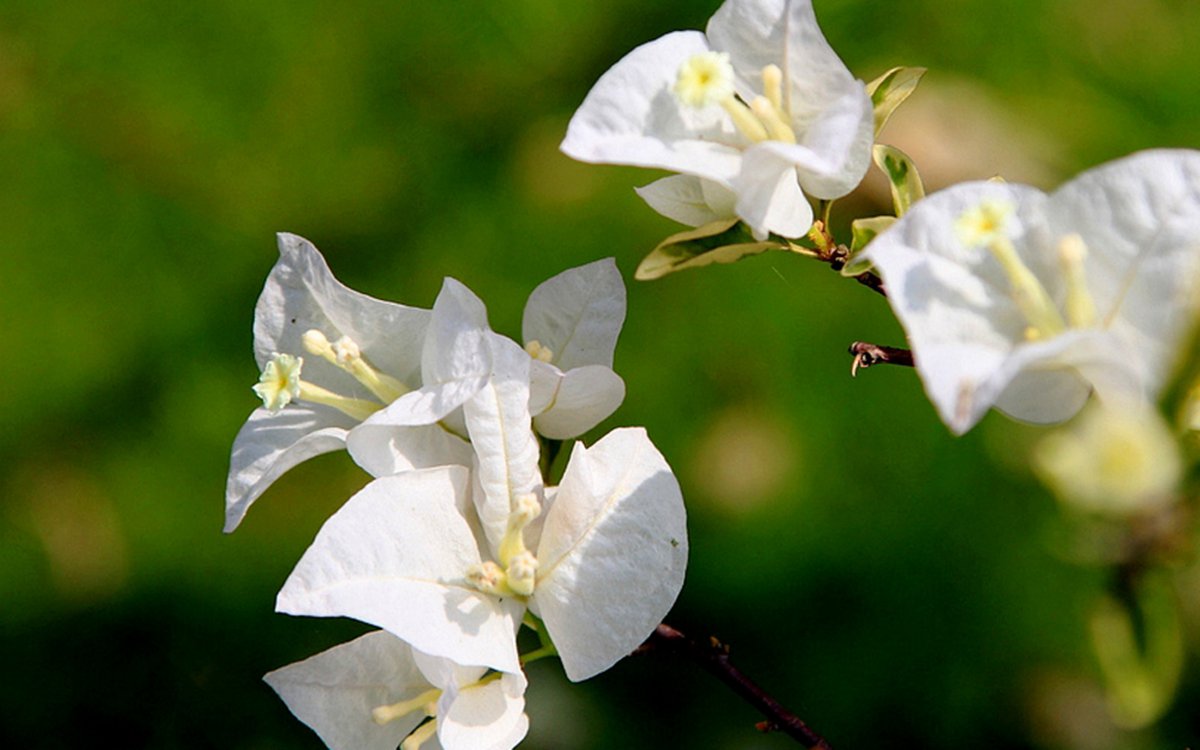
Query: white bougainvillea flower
1028, 302
570, 328
376, 692
330, 357
407, 554
754, 113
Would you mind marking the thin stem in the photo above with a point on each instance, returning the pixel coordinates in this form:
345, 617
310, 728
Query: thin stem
825, 208
550, 451
538, 653
867, 355
713, 656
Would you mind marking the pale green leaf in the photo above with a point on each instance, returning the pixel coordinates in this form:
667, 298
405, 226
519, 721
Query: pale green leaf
902, 175
889, 91
862, 232
719, 242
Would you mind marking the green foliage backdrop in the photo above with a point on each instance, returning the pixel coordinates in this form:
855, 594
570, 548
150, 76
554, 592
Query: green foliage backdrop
897, 587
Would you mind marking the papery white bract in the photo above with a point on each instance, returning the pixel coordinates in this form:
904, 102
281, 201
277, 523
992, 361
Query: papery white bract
336, 345
501, 429
1027, 302
397, 555
455, 364
612, 552
570, 328
371, 693
755, 113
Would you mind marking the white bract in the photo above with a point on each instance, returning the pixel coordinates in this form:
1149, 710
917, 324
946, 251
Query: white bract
409, 554
754, 113
375, 693
1028, 302
330, 357
570, 329
571, 323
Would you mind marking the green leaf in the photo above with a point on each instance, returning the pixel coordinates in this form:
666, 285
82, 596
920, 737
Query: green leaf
1139, 646
906, 184
889, 91
719, 242
862, 232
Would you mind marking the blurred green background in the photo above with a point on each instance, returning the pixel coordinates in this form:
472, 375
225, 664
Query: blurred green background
895, 586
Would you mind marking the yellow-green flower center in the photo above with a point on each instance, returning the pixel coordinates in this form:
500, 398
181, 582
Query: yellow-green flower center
986, 225
707, 78
516, 573
539, 351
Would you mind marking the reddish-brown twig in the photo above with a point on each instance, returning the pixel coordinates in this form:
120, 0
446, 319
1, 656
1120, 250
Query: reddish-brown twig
714, 657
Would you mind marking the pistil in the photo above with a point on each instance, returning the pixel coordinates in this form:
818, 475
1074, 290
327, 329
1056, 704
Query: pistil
770, 116
1081, 309
744, 120
525, 508
357, 408
773, 86
346, 355
426, 703
984, 225
420, 736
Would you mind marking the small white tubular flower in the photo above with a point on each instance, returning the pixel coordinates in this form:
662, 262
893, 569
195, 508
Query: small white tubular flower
373, 692
759, 106
570, 327
312, 409
1028, 302
612, 552
1118, 460
397, 555
280, 381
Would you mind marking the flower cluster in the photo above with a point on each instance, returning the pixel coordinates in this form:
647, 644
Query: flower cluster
1010, 298
457, 542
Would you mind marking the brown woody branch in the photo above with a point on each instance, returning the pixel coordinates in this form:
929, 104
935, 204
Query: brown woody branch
827, 250
713, 656
837, 258
868, 355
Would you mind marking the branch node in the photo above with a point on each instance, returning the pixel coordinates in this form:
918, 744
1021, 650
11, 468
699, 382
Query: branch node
867, 355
